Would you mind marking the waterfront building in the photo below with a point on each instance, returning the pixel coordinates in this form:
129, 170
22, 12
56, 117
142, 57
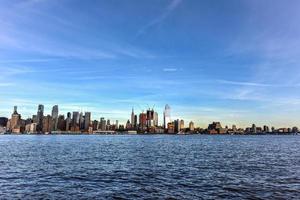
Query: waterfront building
40, 116
167, 116
68, 122
75, 121
61, 123
155, 119
54, 115
133, 122
170, 127
150, 117
95, 125
15, 122
254, 129
295, 129
34, 119
176, 125
102, 125
191, 126
3, 121
87, 120
128, 125
266, 129
234, 129
143, 120
117, 124
47, 124
215, 128
81, 121
181, 124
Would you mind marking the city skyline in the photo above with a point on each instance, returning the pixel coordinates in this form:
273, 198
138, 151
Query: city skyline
146, 121
232, 61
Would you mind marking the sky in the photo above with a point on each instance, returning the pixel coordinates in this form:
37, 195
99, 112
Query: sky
234, 61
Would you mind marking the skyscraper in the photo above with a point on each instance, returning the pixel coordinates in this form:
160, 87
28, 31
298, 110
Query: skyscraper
54, 117
102, 124
191, 126
68, 122
75, 121
81, 121
40, 116
155, 119
133, 123
181, 124
15, 121
87, 120
167, 116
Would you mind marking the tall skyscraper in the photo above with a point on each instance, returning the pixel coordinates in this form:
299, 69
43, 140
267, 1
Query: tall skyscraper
167, 116
75, 120
87, 120
177, 125
117, 124
47, 121
143, 120
68, 122
254, 129
40, 117
133, 123
102, 124
81, 121
155, 119
181, 124
191, 126
150, 117
54, 117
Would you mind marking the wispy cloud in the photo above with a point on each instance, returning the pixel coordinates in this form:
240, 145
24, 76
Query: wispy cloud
244, 83
168, 10
170, 69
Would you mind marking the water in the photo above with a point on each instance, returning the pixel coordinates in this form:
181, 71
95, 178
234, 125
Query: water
149, 167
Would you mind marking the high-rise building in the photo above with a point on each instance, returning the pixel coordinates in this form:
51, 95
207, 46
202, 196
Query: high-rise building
81, 121
95, 125
155, 119
3, 121
87, 120
143, 120
150, 118
254, 130
15, 122
191, 126
133, 123
167, 116
40, 117
117, 124
181, 124
68, 122
47, 124
54, 117
61, 123
234, 129
102, 124
176, 126
75, 119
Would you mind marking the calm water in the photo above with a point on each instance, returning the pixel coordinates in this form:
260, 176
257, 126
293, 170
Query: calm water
149, 167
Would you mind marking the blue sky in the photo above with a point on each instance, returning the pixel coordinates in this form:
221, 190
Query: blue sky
234, 61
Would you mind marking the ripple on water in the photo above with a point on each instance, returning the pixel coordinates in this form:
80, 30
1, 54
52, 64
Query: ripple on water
149, 167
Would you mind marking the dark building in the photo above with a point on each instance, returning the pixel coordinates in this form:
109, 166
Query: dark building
3, 121
40, 117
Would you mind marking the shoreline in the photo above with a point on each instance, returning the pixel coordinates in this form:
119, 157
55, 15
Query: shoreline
263, 134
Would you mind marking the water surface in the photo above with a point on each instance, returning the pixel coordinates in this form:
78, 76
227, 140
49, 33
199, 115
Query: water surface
149, 167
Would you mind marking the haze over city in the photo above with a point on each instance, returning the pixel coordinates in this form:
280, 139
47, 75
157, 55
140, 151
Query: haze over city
231, 61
